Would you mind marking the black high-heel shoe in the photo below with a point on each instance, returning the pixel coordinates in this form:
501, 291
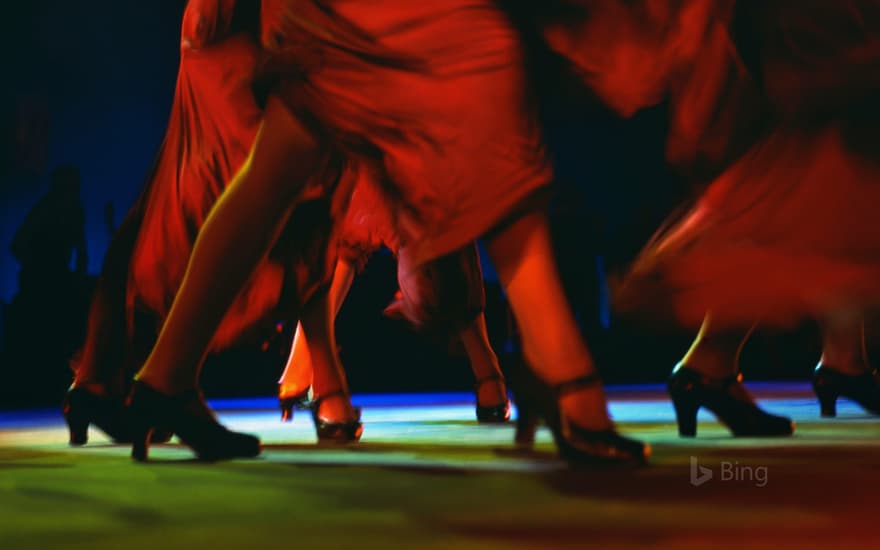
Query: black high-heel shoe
830, 384
337, 432
188, 416
298, 401
82, 408
493, 414
728, 399
577, 445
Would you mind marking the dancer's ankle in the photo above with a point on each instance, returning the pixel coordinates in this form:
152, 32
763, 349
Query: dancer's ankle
848, 367
711, 367
165, 386
588, 408
491, 391
585, 404
337, 408
292, 389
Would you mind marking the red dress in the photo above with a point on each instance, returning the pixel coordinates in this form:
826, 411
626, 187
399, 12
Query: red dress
211, 129
636, 54
213, 122
431, 94
790, 229
442, 295
368, 222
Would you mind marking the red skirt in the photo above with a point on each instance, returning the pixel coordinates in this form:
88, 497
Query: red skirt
443, 295
790, 230
636, 54
368, 221
212, 126
213, 123
432, 94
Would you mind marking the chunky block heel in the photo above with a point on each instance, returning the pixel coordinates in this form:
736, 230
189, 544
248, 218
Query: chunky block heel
830, 384
188, 416
78, 427
728, 400
685, 415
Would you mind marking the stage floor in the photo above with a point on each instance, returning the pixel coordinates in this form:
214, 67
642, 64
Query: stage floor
426, 475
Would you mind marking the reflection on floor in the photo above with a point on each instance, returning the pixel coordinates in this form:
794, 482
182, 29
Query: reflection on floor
426, 474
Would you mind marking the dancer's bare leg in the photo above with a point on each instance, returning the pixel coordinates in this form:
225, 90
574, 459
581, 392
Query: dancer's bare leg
484, 362
329, 383
297, 375
242, 226
843, 343
552, 344
713, 354
101, 365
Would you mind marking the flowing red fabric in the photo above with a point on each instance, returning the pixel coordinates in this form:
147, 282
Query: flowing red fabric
629, 52
211, 129
368, 223
442, 295
210, 132
206, 22
635, 54
789, 230
430, 93
213, 122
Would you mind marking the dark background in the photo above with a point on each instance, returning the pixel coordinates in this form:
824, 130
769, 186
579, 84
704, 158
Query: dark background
90, 84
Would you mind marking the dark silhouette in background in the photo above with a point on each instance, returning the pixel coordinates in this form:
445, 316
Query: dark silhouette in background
43, 323
53, 231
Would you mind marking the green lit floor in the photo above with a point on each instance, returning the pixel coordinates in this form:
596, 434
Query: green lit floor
427, 476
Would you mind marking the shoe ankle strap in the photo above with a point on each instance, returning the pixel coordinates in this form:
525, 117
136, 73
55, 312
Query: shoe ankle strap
723, 382
575, 384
